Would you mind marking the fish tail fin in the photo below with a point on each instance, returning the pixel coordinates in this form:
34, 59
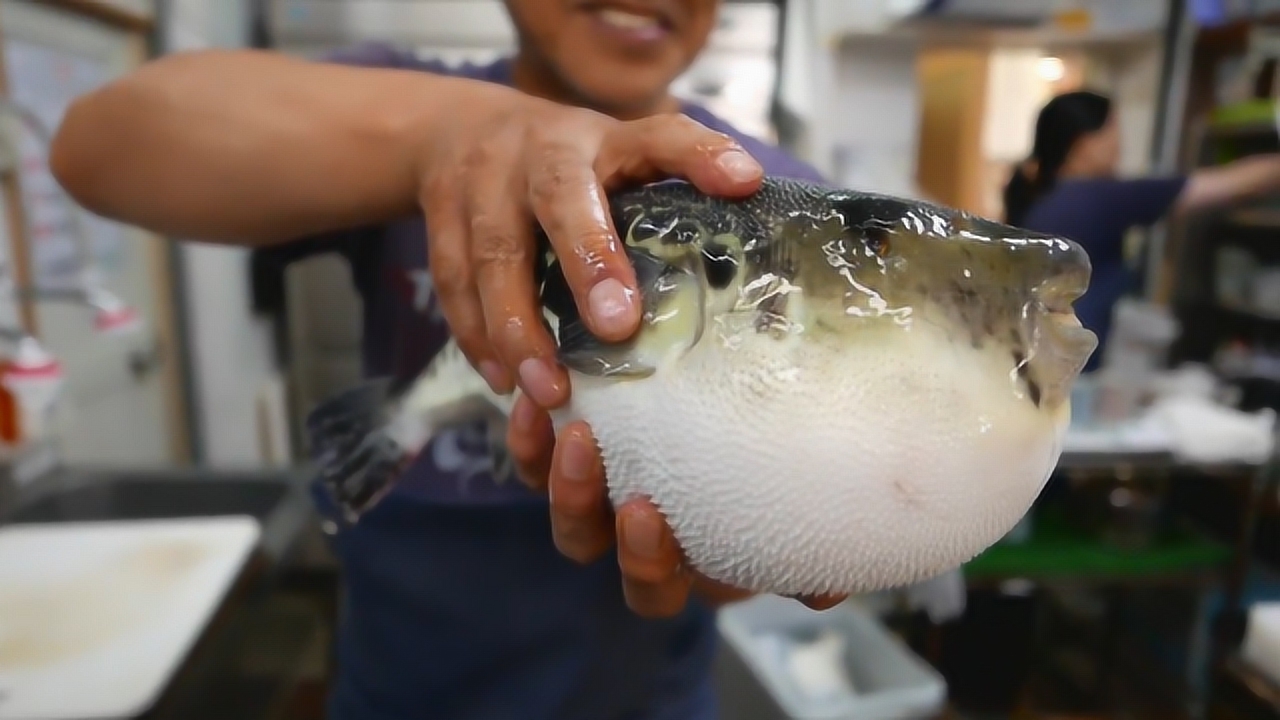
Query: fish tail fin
357, 461
364, 438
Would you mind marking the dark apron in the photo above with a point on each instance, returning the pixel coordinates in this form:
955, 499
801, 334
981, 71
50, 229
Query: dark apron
468, 612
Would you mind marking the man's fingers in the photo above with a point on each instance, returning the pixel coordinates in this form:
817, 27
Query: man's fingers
580, 519
449, 261
653, 579
571, 208
531, 441
502, 258
678, 146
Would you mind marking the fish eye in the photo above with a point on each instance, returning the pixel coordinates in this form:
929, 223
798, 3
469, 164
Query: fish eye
877, 241
719, 264
644, 229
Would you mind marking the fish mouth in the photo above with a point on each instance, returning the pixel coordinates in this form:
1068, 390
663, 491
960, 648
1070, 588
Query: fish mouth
1057, 295
1056, 300
1068, 279
1069, 337
1063, 345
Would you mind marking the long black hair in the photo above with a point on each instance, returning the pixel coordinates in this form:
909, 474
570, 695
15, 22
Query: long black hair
1062, 121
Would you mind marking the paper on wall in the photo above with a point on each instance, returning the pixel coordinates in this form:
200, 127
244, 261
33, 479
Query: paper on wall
44, 81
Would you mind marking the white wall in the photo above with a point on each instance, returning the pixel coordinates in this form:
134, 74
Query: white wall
1131, 76
232, 356
856, 98
874, 116
1015, 94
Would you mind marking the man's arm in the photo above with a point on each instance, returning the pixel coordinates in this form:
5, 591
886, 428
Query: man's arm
330, 146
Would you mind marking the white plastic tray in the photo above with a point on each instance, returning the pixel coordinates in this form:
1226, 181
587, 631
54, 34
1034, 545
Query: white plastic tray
1261, 647
890, 681
95, 617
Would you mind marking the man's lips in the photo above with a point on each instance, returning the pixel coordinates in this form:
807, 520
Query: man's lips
631, 22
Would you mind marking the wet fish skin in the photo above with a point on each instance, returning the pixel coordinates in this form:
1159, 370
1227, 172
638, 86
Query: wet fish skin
803, 322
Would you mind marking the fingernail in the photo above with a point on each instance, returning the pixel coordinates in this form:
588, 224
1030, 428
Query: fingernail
579, 460
738, 165
539, 380
612, 306
643, 535
523, 416
495, 375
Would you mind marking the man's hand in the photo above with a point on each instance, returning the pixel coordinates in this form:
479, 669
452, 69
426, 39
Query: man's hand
512, 162
487, 176
655, 579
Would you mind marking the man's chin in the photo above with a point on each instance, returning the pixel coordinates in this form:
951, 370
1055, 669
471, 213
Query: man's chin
623, 94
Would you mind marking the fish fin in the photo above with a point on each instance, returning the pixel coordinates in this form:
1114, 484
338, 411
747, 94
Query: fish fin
363, 439
357, 461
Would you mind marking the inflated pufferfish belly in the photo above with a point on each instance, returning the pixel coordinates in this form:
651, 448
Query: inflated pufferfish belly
831, 392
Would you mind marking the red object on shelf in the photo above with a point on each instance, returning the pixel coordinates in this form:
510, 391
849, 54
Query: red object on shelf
49, 370
31, 368
122, 319
10, 412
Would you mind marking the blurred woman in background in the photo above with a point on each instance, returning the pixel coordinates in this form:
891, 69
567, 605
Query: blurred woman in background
1069, 187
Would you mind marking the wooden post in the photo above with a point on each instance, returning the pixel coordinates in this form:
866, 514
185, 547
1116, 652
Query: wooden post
19, 237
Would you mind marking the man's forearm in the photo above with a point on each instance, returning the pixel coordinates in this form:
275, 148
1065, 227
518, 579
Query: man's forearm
250, 147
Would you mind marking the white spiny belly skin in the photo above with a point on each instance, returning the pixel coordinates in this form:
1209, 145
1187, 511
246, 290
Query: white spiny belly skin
796, 469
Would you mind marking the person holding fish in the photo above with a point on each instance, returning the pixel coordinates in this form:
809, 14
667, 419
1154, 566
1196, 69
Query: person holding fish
1069, 187
465, 596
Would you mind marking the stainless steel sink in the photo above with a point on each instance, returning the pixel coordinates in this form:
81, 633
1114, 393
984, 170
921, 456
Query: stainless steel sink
276, 499
128, 498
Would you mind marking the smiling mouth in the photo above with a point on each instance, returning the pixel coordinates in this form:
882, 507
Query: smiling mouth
630, 19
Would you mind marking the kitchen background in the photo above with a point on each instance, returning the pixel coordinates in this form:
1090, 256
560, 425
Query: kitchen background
192, 366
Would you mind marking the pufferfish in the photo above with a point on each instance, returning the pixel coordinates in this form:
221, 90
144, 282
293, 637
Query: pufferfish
831, 392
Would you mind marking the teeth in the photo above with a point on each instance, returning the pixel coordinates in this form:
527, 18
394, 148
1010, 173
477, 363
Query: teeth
627, 21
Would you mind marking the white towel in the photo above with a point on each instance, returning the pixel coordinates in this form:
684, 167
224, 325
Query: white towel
1261, 648
1206, 432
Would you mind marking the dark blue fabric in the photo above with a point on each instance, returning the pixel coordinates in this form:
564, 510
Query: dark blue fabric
464, 613
457, 604
1097, 213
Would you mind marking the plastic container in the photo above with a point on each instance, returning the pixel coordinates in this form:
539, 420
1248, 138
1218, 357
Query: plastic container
889, 681
1084, 398
35, 379
1141, 334
1121, 394
1261, 647
1266, 292
1236, 269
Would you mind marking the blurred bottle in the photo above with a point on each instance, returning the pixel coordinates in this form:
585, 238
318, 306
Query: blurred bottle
31, 381
10, 420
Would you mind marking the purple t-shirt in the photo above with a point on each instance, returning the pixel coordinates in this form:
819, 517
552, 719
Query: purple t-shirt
457, 603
